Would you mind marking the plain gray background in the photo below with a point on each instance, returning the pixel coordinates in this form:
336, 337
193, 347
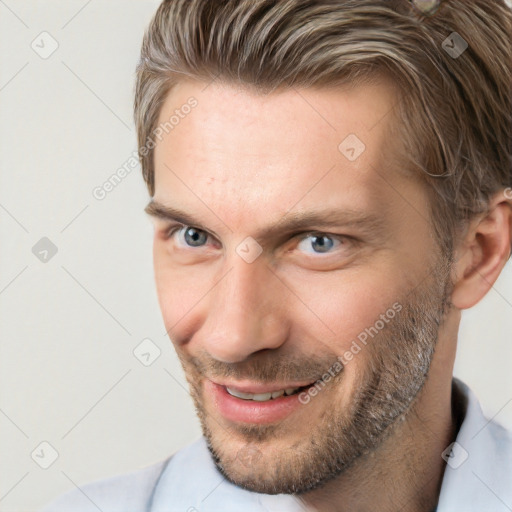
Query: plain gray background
70, 323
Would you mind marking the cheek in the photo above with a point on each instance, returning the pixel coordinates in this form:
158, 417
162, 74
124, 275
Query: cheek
346, 308
180, 289
175, 289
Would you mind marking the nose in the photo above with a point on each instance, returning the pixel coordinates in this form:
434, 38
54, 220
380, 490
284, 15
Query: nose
246, 313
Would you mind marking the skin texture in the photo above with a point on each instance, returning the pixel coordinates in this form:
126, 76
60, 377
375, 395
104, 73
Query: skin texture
241, 163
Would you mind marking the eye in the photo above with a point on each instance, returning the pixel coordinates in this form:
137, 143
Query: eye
320, 243
189, 236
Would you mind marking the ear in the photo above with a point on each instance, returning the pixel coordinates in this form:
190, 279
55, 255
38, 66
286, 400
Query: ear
483, 252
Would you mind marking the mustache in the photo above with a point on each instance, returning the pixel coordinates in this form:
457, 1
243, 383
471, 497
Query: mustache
266, 370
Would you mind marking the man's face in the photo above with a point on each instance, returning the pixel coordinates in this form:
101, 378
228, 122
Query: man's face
254, 303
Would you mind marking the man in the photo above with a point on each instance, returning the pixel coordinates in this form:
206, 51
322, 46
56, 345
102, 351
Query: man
330, 187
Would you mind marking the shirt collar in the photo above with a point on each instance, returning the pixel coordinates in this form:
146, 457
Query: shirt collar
478, 475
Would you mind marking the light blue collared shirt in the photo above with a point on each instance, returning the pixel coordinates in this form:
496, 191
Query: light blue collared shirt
477, 478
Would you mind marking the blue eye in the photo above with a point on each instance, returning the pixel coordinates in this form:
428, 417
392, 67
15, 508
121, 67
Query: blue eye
193, 237
321, 243
316, 243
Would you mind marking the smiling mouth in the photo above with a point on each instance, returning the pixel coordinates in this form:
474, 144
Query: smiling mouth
265, 397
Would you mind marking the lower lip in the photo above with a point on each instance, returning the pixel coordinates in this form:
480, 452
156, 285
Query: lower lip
251, 411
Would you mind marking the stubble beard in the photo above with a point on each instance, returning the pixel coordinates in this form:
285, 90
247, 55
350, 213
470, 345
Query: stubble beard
400, 359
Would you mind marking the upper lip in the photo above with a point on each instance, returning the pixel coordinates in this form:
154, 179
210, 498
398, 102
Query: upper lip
250, 387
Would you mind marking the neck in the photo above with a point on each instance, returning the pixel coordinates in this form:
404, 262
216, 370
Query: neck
406, 471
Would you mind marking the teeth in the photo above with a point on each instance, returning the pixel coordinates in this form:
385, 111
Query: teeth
261, 397
239, 394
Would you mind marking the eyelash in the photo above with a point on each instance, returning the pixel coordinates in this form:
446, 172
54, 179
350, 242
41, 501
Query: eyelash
169, 232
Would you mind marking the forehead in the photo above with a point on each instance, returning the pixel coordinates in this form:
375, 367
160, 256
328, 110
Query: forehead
247, 155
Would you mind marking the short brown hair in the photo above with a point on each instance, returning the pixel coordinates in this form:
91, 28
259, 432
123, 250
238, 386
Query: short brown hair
456, 111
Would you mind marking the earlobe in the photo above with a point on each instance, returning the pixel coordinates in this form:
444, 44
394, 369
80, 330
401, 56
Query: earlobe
483, 253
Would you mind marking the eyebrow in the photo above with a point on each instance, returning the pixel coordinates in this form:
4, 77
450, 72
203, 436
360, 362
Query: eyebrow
370, 223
